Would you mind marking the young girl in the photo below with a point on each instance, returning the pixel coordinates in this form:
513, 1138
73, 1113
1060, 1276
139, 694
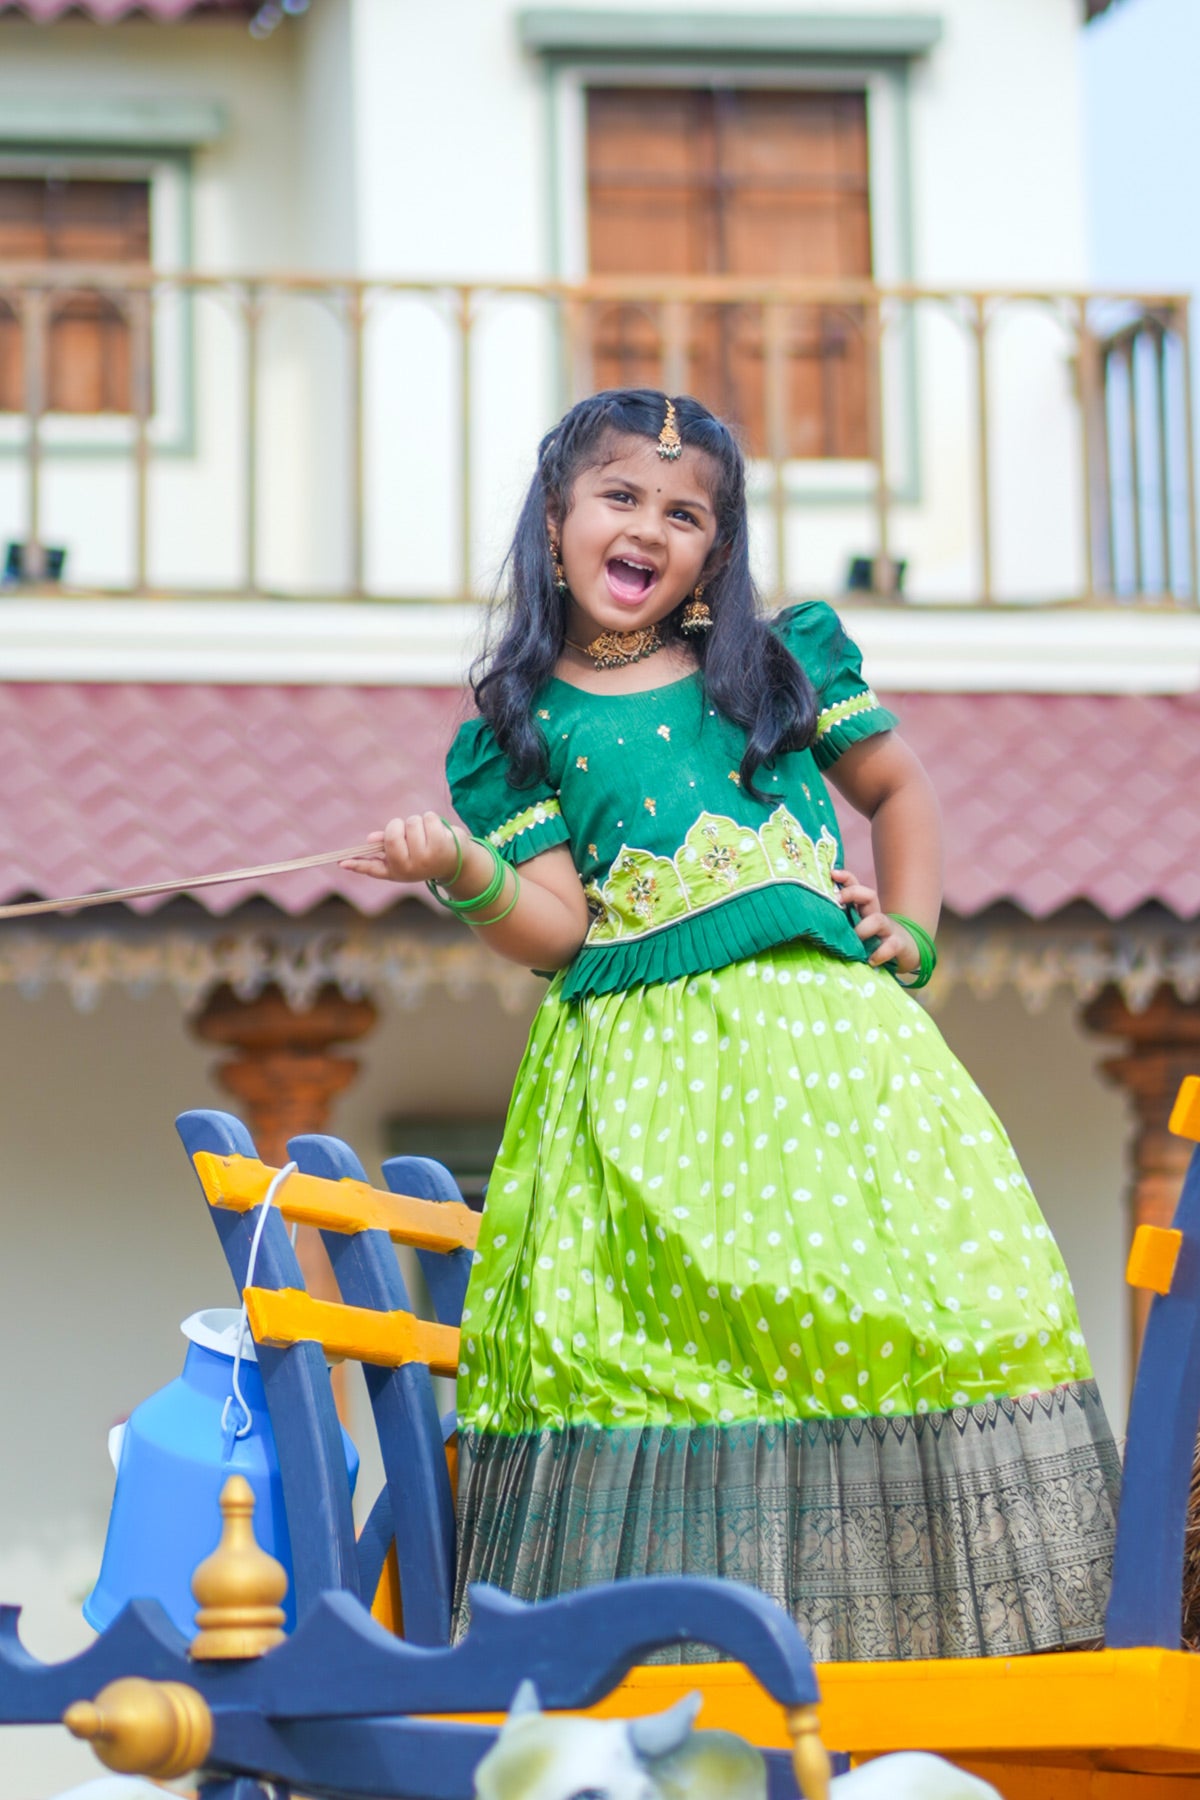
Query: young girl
761, 1290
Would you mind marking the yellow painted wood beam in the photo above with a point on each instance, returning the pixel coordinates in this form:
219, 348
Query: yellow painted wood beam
1152, 1258
1185, 1114
1113, 1708
1117, 1711
284, 1316
239, 1183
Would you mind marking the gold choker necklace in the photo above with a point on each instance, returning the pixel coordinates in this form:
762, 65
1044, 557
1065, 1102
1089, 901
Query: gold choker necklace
613, 649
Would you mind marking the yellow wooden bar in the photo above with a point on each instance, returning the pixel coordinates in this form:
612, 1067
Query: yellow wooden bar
1152, 1258
283, 1316
1117, 1708
239, 1183
1185, 1114
1083, 1713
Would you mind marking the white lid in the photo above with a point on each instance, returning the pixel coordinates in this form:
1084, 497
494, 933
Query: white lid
216, 1328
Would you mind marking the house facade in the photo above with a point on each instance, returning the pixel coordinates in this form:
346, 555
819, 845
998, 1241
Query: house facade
287, 297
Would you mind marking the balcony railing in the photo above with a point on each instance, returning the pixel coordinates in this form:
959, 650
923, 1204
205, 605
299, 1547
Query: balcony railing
295, 437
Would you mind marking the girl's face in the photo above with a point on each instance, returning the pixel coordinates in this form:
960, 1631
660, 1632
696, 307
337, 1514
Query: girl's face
636, 538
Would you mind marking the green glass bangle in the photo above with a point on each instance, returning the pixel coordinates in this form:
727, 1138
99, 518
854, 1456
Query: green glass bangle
493, 888
480, 900
458, 850
926, 953
481, 923
435, 887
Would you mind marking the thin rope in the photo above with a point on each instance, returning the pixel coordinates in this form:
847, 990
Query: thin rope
277, 1181
76, 902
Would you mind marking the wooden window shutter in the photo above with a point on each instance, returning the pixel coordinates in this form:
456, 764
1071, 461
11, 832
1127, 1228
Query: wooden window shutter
736, 181
88, 339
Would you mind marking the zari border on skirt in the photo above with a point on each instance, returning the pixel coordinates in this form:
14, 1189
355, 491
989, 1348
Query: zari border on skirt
984, 1531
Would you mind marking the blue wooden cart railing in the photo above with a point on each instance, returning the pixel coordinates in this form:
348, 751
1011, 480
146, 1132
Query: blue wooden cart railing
334, 1710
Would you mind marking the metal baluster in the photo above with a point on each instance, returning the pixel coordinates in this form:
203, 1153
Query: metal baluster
1166, 585
884, 581
252, 313
979, 327
674, 317
1135, 463
141, 308
1086, 351
33, 312
355, 316
466, 320
1189, 445
776, 412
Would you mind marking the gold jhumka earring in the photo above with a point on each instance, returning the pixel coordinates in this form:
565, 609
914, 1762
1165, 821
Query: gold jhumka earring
696, 617
560, 574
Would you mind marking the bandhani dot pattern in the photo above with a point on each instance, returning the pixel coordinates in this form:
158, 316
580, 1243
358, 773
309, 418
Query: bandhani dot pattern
762, 1290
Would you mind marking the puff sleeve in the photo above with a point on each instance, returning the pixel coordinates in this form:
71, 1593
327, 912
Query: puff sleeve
520, 822
848, 709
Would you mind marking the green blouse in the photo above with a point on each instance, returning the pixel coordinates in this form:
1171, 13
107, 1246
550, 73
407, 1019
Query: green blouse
683, 869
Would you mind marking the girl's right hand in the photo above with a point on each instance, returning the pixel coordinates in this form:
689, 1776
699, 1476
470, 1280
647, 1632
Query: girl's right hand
420, 848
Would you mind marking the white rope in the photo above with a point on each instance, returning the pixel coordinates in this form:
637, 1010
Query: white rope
25, 909
277, 1181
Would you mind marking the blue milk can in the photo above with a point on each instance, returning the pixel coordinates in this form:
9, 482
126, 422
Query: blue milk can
173, 1456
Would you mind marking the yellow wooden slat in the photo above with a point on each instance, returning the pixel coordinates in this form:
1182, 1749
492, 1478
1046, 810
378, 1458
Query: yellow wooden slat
239, 1183
284, 1316
1129, 1707
1185, 1114
1152, 1258
1098, 1709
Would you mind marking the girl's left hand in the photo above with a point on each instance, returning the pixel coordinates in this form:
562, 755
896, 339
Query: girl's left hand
895, 944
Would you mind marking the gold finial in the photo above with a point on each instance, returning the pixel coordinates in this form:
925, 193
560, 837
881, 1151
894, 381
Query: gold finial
137, 1727
670, 444
239, 1586
810, 1759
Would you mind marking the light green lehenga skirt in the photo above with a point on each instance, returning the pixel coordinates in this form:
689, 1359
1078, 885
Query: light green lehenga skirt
762, 1292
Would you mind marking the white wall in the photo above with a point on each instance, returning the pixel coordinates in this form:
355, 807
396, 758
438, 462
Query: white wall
1072, 1130
245, 215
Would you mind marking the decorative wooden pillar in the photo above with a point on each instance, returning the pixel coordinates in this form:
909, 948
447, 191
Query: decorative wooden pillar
285, 1076
1162, 1046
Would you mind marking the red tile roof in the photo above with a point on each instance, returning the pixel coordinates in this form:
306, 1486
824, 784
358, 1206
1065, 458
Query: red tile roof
111, 785
108, 12
1048, 799
1051, 799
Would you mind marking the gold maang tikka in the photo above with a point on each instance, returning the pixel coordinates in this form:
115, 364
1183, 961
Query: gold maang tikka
670, 444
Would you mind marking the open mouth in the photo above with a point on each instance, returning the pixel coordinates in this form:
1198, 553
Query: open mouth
629, 581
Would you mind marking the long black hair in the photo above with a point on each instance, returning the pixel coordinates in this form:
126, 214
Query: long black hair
749, 675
